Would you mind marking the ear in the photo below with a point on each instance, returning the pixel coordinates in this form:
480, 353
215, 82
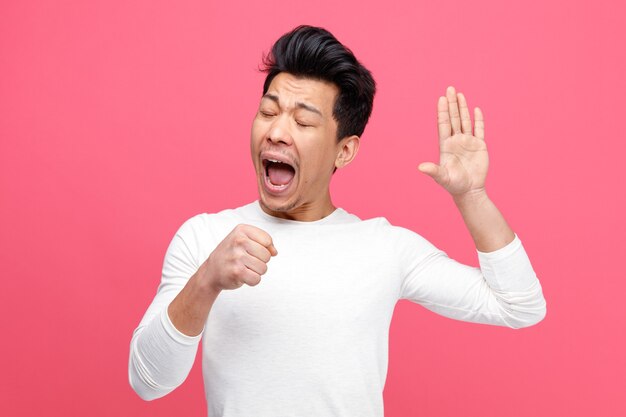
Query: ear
347, 149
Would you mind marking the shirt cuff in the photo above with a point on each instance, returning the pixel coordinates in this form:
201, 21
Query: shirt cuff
508, 268
174, 333
504, 251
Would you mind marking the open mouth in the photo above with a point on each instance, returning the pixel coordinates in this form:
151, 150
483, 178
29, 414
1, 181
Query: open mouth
278, 174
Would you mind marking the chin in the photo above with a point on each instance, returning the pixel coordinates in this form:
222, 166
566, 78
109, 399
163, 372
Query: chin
274, 204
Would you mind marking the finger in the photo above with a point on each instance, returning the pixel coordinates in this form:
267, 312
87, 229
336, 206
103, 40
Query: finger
255, 265
443, 118
479, 124
262, 237
431, 169
466, 121
453, 108
251, 278
257, 250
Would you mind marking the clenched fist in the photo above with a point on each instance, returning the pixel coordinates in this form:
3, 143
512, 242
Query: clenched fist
241, 258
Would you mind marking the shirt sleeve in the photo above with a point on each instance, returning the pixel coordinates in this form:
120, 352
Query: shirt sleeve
161, 356
504, 291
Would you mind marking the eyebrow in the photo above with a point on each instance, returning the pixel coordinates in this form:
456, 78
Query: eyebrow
299, 104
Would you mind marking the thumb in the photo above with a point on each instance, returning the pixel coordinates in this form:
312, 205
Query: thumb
272, 249
430, 169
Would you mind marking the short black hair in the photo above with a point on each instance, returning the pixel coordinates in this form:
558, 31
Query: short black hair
313, 52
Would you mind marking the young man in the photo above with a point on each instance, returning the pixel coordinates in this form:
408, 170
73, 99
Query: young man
311, 339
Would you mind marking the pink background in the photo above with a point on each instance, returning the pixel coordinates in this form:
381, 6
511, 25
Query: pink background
121, 119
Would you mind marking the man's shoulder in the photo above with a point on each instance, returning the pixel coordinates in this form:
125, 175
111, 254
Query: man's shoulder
226, 218
395, 235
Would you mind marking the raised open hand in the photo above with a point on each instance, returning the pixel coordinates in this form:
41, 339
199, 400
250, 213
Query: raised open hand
463, 158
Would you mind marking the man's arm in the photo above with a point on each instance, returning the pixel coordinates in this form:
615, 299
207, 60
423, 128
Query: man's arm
160, 355
505, 289
241, 258
484, 221
462, 170
164, 345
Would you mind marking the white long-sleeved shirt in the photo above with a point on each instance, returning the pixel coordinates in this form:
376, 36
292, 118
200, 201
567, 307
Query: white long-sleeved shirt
311, 339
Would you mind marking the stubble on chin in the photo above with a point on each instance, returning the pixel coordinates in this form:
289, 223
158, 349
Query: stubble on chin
282, 208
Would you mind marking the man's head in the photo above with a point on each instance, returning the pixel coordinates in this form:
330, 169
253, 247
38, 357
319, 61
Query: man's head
313, 52
316, 101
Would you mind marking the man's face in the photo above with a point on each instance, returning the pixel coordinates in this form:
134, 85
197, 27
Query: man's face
294, 147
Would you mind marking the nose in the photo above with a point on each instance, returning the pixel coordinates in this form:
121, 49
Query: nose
279, 131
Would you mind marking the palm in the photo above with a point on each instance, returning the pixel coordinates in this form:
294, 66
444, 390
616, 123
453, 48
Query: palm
463, 161
463, 157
